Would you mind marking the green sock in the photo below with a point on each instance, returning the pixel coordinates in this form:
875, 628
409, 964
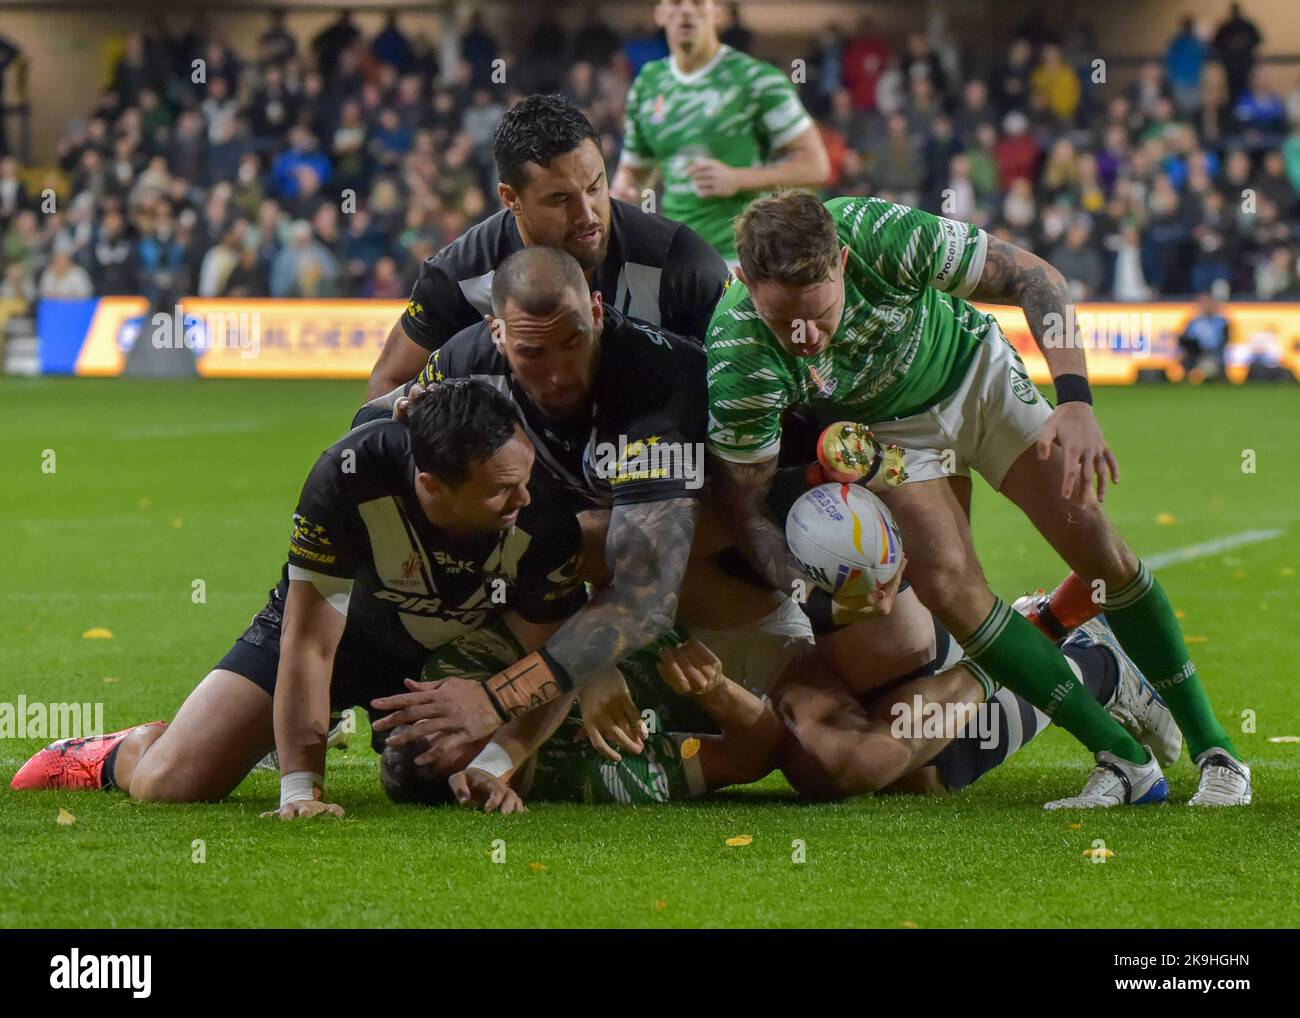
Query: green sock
1143, 620
1009, 650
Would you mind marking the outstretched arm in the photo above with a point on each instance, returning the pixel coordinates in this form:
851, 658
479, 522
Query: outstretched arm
1018, 277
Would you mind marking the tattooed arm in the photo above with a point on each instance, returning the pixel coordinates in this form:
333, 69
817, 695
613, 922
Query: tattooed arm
740, 493
1013, 275
647, 548
1018, 277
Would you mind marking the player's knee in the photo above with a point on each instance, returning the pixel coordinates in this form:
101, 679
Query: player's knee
160, 778
947, 581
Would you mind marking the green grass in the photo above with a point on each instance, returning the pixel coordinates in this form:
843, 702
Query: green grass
159, 484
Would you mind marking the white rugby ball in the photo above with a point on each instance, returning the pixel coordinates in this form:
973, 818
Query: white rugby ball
845, 538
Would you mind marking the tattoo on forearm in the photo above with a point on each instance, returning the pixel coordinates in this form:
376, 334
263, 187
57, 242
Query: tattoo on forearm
647, 548
1015, 276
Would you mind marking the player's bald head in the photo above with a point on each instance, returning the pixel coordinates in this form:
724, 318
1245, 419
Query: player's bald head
538, 281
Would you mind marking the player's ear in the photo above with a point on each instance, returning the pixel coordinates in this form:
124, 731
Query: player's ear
430, 484
497, 326
597, 309
509, 198
739, 273
844, 257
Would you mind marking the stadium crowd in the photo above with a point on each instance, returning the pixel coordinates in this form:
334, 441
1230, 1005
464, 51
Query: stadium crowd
335, 167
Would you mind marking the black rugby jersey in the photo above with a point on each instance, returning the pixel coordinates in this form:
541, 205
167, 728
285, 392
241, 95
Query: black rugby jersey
641, 441
655, 269
414, 585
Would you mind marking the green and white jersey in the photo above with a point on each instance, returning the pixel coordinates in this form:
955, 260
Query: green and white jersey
735, 109
904, 343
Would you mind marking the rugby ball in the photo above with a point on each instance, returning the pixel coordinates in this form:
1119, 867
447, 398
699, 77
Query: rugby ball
845, 539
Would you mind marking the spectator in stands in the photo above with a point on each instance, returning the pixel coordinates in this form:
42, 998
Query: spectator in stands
1235, 43
1204, 340
1129, 281
9, 53
975, 109
1275, 276
276, 46
864, 60
1017, 152
391, 47
303, 153
64, 279
305, 268
1013, 77
1184, 61
1056, 82
111, 257
13, 192
1079, 262
1260, 113
332, 41
895, 162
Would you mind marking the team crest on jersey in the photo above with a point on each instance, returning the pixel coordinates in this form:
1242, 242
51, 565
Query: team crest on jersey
1022, 386
660, 110
825, 386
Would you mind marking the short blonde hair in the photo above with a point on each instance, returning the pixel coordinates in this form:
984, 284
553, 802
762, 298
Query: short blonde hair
787, 237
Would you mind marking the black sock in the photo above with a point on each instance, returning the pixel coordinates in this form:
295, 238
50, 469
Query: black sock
968, 758
107, 775
1100, 672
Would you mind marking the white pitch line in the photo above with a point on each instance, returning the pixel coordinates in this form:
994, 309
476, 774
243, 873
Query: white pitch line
1206, 548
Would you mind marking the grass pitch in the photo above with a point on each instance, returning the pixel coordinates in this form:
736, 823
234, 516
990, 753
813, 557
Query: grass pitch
157, 485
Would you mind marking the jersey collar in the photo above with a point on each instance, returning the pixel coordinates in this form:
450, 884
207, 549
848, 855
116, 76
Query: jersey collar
694, 76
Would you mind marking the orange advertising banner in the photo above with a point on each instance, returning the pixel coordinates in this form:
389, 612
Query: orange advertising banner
343, 338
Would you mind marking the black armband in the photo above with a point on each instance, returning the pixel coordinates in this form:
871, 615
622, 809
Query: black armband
820, 611
1072, 389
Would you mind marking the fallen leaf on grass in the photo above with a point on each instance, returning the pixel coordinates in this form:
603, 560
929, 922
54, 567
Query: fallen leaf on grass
1098, 853
740, 840
65, 818
538, 867
98, 633
690, 747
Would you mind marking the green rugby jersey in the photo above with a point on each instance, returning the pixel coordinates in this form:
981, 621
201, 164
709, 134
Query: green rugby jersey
903, 345
735, 109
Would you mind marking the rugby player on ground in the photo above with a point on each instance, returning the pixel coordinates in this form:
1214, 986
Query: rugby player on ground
858, 307
712, 729
406, 535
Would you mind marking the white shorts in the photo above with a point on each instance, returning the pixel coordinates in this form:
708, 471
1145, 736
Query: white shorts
756, 655
995, 415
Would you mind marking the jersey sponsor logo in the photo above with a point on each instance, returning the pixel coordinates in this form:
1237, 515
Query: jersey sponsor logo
954, 245
310, 555
417, 604
452, 564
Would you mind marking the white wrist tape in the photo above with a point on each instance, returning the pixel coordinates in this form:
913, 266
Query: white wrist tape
298, 786
493, 759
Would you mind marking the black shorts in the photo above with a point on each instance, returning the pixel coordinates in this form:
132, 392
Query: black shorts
363, 670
